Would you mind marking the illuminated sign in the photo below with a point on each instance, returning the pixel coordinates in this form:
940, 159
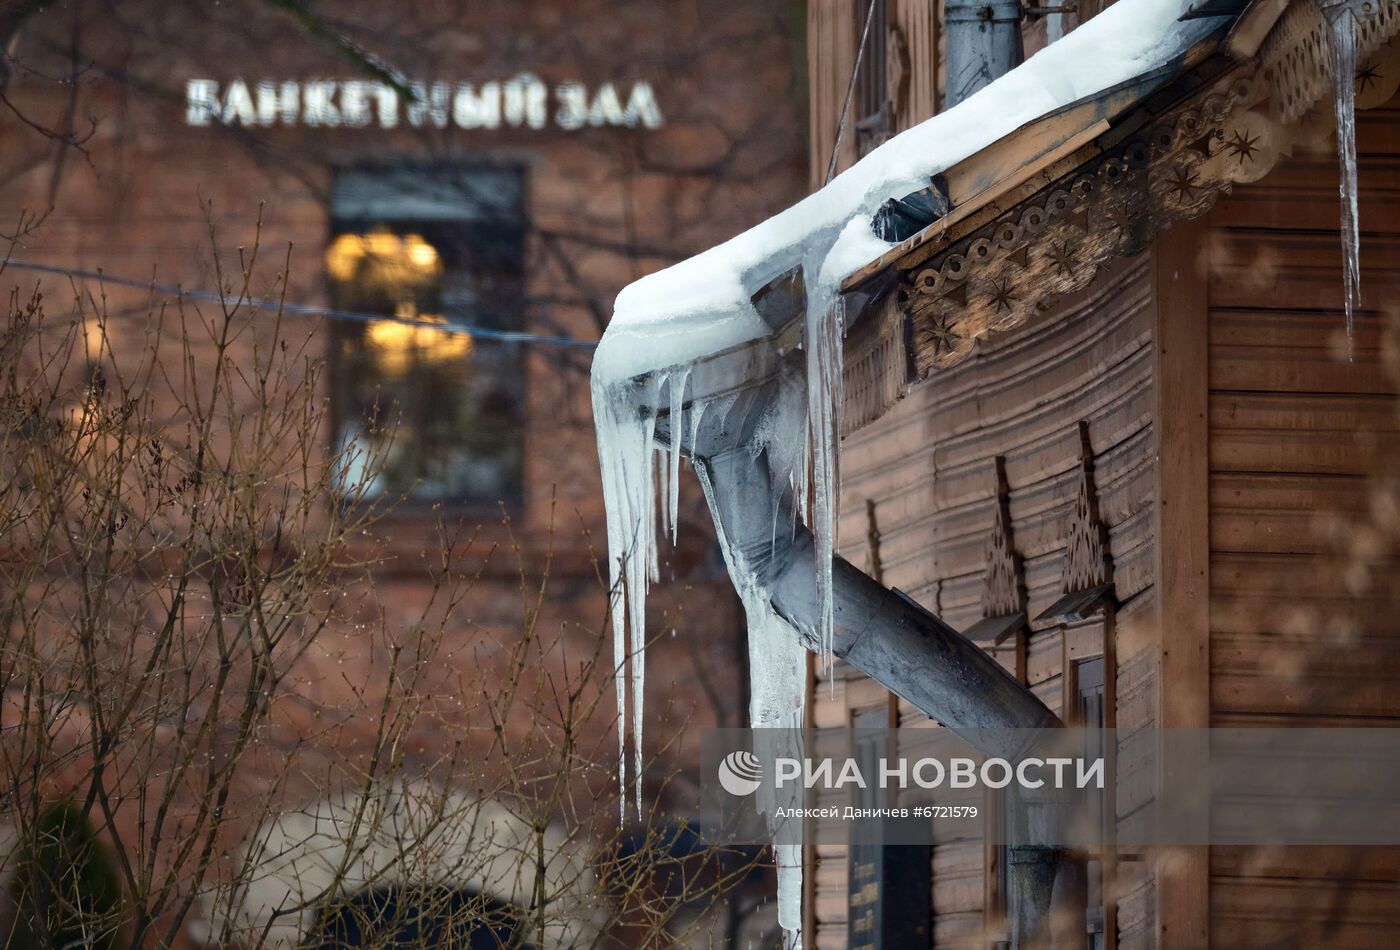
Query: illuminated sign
521, 102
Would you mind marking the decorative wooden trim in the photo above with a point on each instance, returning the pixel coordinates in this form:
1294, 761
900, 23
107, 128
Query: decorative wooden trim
1087, 579
1295, 51
1003, 580
1087, 562
876, 365
1004, 584
1378, 76
1006, 271
1182, 529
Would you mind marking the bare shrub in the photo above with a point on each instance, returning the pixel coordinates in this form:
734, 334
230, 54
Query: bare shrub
194, 653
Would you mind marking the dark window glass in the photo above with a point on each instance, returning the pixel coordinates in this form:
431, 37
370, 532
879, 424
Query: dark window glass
1089, 674
435, 411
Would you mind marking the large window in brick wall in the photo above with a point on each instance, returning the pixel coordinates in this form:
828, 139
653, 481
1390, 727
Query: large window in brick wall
432, 411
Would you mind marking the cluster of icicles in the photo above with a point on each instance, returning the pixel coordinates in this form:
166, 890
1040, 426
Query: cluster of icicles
641, 474
639, 471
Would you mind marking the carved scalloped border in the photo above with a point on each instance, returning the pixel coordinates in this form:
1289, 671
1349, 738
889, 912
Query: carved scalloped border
1055, 244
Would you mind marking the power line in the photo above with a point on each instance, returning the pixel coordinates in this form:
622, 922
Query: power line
266, 303
850, 92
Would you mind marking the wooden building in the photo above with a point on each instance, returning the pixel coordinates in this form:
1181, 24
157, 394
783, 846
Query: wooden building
1100, 416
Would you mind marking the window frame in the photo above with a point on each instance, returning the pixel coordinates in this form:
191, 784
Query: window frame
1086, 642
871, 119
406, 504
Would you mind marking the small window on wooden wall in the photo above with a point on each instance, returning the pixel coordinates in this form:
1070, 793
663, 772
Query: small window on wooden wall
1090, 714
889, 886
871, 104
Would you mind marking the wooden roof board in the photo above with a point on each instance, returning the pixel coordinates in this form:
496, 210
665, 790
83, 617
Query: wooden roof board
979, 180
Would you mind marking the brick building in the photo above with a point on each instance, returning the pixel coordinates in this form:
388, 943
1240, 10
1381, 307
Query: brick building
541, 156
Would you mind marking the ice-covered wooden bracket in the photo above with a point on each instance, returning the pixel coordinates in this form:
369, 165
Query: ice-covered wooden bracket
755, 357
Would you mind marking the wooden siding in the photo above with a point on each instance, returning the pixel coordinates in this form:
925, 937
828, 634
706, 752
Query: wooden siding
928, 467
831, 50
919, 21
1293, 430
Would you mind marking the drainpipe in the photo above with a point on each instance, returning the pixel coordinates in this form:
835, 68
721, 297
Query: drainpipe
881, 632
893, 640
983, 42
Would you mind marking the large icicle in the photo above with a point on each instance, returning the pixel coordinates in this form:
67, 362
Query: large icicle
1341, 23
777, 693
625, 452
824, 330
632, 481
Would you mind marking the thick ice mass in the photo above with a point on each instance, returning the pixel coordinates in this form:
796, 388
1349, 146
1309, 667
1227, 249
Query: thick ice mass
665, 323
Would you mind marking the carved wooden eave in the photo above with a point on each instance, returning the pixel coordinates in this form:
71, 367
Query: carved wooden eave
1043, 211
1004, 581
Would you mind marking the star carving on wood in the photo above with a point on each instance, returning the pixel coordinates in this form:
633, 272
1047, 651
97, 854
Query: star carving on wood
1366, 77
1001, 294
1242, 145
1184, 157
1121, 220
1183, 184
941, 331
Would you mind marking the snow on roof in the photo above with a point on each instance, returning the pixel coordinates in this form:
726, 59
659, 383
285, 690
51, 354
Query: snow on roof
701, 305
